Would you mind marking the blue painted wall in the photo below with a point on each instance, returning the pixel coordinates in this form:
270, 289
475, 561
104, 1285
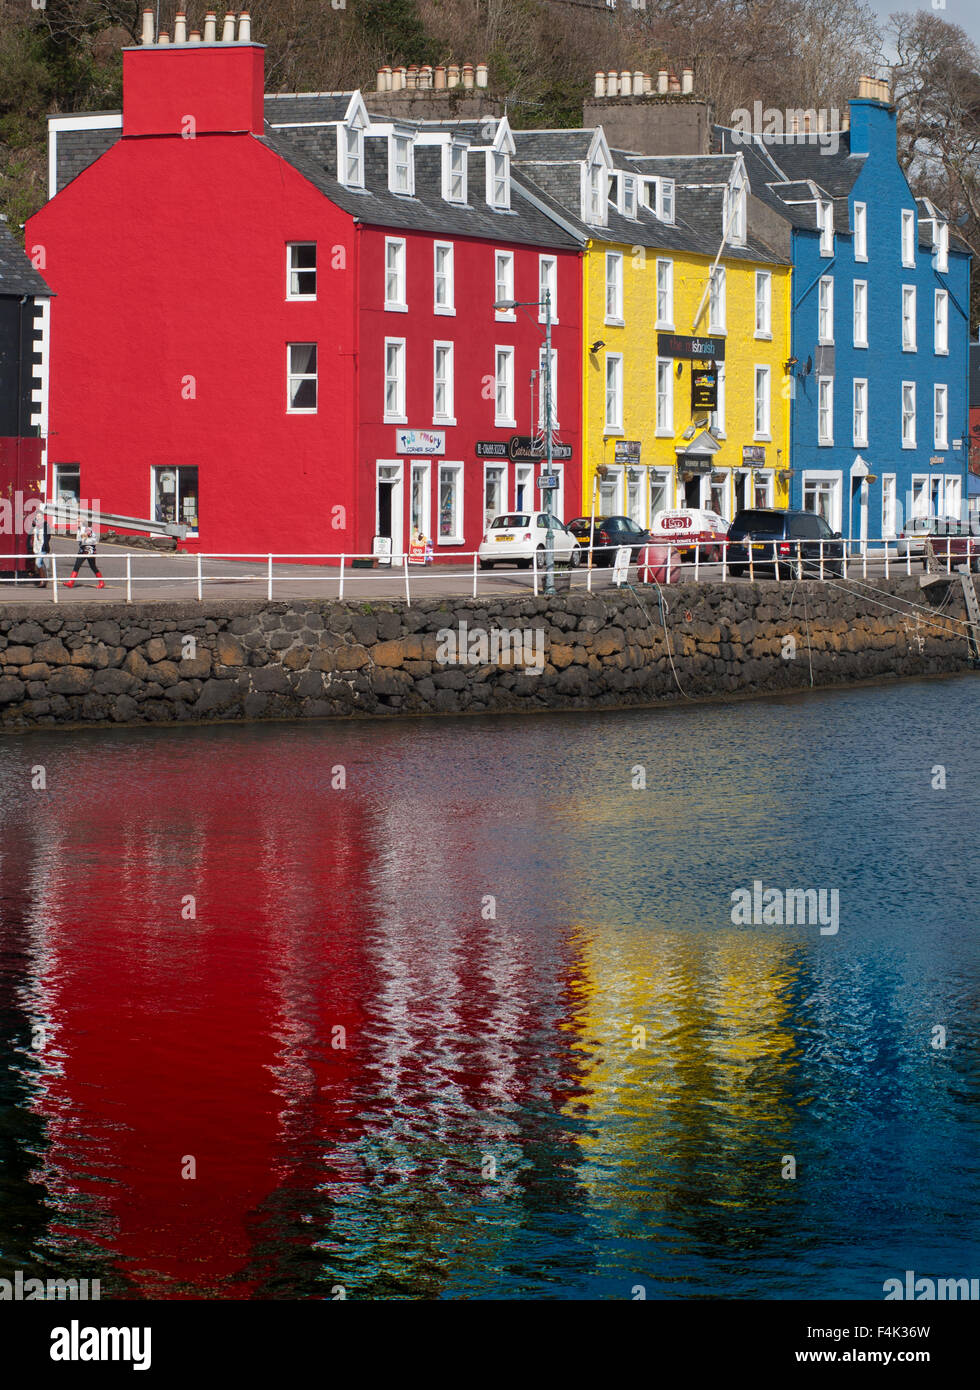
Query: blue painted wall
882, 186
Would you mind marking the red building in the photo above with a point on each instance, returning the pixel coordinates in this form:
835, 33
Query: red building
274, 316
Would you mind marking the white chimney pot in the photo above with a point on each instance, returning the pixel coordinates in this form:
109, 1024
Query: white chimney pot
244, 27
228, 32
146, 35
210, 27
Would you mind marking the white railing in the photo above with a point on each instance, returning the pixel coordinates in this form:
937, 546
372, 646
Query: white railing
703, 561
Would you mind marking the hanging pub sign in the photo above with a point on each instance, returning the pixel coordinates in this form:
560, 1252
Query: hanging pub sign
704, 387
627, 450
677, 345
753, 453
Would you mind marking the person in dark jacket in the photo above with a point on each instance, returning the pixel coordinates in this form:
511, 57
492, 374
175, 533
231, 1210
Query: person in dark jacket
86, 554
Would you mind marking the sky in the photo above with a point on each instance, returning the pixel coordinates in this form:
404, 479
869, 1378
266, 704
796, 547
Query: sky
965, 13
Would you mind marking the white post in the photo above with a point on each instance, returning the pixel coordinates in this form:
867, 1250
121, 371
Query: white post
908, 555
887, 554
751, 561
129, 577
269, 586
408, 596
200, 591
54, 576
864, 560
475, 553
697, 560
341, 593
844, 561
534, 567
724, 562
799, 560
821, 559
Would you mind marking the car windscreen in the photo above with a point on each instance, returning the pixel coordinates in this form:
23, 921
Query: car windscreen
757, 524
506, 523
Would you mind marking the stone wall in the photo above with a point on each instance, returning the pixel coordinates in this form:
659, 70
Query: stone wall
158, 663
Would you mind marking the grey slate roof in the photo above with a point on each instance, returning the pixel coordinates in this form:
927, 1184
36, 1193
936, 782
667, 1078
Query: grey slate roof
306, 106
313, 153
77, 149
17, 275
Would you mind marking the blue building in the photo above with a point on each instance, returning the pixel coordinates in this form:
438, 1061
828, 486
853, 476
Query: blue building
880, 329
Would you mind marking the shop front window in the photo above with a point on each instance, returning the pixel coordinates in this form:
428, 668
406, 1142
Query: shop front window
719, 494
661, 491
175, 496
493, 492
420, 500
450, 504
762, 490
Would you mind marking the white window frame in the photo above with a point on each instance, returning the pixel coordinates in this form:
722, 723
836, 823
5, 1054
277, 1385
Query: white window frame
395, 140
940, 323
825, 389
448, 276
825, 310
504, 418
595, 194
859, 418
763, 376
400, 272
503, 259
423, 468
860, 231
909, 296
919, 497
498, 180
629, 203
398, 415
665, 271
667, 476
460, 151
825, 478
614, 375
940, 418
666, 200
453, 466
292, 270
664, 397
614, 288
350, 150
763, 303
889, 499
717, 301
953, 496
548, 279
826, 221
444, 351
554, 388
941, 242
860, 313
292, 376
718, 415
736, 209
908, 238
501, 467
908, 436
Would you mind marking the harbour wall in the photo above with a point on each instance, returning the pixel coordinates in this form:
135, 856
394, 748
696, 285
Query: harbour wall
160, 663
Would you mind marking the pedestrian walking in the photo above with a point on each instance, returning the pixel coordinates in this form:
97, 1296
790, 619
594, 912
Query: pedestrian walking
86, 554
40, 546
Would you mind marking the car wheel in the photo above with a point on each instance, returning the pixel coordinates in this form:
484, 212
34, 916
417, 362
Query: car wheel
736, 571
486, 564
575, 558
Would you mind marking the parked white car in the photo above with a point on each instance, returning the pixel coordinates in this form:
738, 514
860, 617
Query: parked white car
513, 537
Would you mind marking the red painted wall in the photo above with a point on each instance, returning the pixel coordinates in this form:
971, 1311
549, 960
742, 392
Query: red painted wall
475, 333
21, 480
168, 259
220, 89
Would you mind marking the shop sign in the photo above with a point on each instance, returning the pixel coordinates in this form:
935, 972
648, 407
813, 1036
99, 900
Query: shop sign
491, 449
524, 446
420, 441
753, 453
704, 388
381, 549
679, 345
627, 450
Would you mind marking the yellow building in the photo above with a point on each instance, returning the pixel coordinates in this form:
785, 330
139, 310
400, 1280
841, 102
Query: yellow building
678, 290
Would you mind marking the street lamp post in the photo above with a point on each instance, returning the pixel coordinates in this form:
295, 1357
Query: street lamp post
545, 303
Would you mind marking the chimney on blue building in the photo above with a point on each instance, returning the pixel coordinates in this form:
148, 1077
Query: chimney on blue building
872, 117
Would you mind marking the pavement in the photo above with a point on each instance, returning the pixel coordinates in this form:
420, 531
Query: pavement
160, 576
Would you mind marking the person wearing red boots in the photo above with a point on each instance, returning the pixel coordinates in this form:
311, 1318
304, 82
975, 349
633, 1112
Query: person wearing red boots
86, 553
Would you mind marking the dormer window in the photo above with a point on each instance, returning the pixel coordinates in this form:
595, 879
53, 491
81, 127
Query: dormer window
665, 200
825, 221
940, 246
498, 180
350, 145
736, 212
401, 168
628, 203
454, 172
595, 213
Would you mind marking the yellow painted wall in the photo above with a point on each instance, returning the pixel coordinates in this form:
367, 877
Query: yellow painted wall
637, 340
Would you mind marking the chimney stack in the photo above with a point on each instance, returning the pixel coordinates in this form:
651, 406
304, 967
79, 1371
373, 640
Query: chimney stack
600, 84
439, 77
663, 81
687, 81
468, 76
482, 74
147, 33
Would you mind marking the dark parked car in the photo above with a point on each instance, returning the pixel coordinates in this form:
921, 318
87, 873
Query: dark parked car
610, 533
777, 540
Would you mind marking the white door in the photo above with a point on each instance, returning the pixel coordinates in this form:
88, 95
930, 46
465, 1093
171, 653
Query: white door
389, 508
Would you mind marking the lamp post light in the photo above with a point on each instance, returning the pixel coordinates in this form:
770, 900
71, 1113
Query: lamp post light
545, 303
